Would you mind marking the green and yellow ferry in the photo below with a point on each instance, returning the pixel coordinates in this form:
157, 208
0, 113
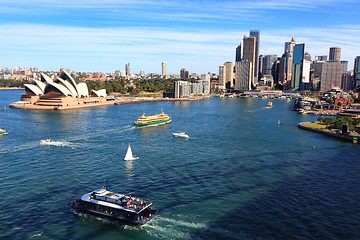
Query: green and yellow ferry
3, 131
152, 120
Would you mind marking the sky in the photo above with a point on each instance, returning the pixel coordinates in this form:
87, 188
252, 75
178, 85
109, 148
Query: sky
104, 35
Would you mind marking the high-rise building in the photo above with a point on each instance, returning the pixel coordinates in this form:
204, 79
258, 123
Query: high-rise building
142, 73
321, 58
205, 81
330, 76
357, 73
289, 49
307, 56
127, 69
347, 82
222, 77
229, 75
268, 62
335, 54
184, 74
344, 66
243, 75
256, 34
297, 67
248, 54
163, 69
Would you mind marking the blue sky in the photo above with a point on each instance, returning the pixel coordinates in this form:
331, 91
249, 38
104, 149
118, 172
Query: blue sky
95, 35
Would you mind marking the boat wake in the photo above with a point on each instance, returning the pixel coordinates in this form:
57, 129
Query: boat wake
58, 144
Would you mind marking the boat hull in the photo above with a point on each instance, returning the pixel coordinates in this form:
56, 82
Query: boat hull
122, 217
152, 123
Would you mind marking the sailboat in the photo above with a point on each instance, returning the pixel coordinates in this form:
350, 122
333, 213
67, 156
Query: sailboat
129, 155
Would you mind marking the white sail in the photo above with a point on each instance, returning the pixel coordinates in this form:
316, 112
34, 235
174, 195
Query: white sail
129, 155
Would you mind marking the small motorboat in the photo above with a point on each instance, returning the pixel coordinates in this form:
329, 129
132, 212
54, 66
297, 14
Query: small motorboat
47, 141
181, 135
129, 156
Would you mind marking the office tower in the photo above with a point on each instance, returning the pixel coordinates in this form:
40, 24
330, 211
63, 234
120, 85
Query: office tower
344, 66
243, 75
229, 75
268, 62
142, 73
281, 70
357, 73
238, 52
163, 69
248, 54
222, 77
289, 49
335, 54
305, 75
347, 82
307, 56
127, 69
297, 66
256, 34
330, 76
321, 58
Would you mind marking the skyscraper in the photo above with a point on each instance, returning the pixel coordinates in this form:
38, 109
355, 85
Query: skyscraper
357, 73
163, 69
335, 54
229, 75
248, 53
256, 34
127, 69
289, 49
243, 74
330, 75
297, 67
222, 77
184, 74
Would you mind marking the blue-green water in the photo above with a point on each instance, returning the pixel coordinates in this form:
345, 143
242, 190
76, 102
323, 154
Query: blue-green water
239, 176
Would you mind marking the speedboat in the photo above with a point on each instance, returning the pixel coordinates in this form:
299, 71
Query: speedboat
47, 141
181, 135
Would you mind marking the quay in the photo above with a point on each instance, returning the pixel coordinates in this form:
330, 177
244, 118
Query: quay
128, 100
349, 137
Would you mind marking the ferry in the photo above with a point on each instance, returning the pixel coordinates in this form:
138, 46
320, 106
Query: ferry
3, 131
115, 206
152, 120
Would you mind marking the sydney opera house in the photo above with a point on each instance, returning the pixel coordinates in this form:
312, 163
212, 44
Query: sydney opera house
60, 93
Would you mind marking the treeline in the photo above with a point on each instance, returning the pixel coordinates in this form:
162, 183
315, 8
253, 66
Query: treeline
120, 85
117, 85
13, 83
336, 123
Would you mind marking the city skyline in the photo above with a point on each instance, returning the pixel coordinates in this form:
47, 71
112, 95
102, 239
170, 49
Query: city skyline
94, 36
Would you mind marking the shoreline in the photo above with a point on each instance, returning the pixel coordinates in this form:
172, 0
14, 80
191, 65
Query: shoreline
118, 101
350, 137
12, 88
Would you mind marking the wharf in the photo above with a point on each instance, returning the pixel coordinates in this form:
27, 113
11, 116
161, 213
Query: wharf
350, 137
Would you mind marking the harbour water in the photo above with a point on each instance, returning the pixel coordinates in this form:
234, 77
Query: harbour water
239, 176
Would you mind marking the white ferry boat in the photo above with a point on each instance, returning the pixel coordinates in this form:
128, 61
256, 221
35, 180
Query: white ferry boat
115, 206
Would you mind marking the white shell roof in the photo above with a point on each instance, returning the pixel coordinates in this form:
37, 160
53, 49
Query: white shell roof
69, 86
82, 90
59, 87
41, 85
100, 93
33, 88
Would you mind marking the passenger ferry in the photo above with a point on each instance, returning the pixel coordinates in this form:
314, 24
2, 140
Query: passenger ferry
115, 206
3, 131
152, 120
